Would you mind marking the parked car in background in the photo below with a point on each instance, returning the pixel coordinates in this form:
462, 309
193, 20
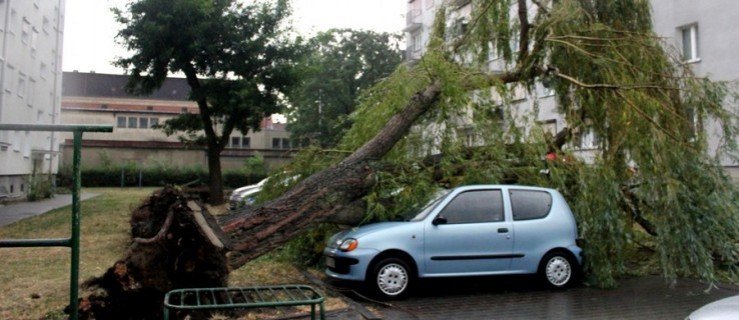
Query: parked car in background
724, 309
245, 195
473, 230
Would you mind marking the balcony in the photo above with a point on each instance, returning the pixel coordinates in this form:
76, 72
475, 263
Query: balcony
413, 20
461, 3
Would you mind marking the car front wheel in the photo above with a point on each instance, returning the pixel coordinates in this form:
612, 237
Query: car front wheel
558, 270
390, 278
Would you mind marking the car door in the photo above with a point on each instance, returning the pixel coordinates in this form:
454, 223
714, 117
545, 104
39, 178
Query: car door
469, 235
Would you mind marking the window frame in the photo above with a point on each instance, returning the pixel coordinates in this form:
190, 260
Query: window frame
513, 198
478, 217
693, 37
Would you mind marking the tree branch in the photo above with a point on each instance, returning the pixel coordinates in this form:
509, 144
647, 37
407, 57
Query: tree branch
606, 85
523, 35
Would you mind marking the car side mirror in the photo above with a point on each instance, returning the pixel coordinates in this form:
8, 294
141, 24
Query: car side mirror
439, 220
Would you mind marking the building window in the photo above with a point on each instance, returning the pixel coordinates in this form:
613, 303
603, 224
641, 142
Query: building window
518, 92
31, 91
154, 122
133, 122
515, 44
549, 127
13, 21
34, 41
43, 70
493, 51
235, 142
245, 142
25, 31
121, 122
9, 73
144, 123
27, 145
690, 43
544, 88
417, 42
45, 25
280, 143
587, 139
21, 85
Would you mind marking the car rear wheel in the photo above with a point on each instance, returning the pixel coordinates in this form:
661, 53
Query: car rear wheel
558, 270
391, 278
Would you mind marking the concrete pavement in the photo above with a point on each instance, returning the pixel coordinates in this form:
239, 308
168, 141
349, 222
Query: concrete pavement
14, 211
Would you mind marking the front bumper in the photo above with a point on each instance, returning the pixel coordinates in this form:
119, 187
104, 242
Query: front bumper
348, 265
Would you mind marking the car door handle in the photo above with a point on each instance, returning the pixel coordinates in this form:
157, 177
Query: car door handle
502, 230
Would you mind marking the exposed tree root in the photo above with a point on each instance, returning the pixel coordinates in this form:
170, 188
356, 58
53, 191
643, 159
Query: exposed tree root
172, 247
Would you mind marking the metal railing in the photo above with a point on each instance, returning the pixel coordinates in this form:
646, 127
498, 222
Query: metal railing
244, 298
73, 241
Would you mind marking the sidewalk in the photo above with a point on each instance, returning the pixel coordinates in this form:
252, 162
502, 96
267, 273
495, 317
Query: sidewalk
13, 212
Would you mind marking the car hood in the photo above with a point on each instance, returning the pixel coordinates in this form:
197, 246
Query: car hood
363, 231
727, 308
372, 228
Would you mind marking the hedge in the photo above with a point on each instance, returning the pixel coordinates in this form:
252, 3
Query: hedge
151, 177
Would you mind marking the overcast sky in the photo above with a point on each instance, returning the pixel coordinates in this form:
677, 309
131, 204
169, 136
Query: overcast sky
89, 30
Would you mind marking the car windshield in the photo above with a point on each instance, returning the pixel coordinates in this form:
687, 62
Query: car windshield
425, 210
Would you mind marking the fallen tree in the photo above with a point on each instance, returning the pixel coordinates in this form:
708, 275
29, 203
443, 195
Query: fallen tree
611, 78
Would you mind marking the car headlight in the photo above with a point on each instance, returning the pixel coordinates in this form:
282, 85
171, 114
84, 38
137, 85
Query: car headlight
348, 245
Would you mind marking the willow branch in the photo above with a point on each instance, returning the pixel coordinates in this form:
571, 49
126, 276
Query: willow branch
648, 118
609, 86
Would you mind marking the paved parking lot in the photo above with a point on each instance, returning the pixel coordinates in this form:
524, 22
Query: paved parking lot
520, 298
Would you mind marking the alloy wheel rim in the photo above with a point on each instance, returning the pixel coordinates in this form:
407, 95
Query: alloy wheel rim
392, 279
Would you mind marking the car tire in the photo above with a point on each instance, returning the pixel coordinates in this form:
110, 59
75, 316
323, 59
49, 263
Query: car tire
558, 270
391, 278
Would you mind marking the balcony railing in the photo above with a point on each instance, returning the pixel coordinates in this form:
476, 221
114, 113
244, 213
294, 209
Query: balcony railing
413, 20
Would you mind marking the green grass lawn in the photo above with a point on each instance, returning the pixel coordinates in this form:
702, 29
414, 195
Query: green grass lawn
34, 282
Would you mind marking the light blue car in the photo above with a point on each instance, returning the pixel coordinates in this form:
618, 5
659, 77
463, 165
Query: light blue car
473, 230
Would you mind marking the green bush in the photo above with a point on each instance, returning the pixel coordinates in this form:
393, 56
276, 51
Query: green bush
40, 188
130, 175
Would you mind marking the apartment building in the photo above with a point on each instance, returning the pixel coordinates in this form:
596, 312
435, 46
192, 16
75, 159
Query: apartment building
703, 31
30, 89
95, 98
706, 34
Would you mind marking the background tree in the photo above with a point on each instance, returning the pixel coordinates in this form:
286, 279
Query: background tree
236, 58
340, 65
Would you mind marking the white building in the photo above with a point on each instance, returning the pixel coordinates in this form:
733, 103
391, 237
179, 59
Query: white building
30, 89
705, 32
702, 30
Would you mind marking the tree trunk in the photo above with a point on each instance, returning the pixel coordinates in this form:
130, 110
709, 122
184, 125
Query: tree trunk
254, 231
215, 185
